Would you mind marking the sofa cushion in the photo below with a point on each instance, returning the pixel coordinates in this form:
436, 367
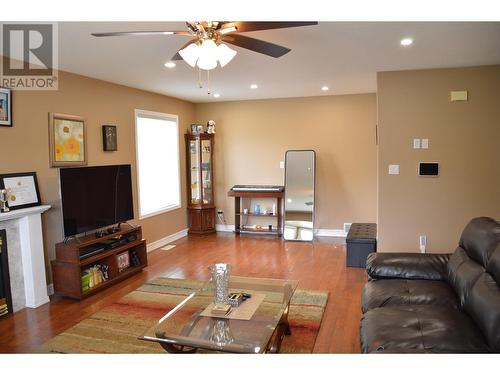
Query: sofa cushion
386, 292
479, 238
407, 266
420, 328
463, 272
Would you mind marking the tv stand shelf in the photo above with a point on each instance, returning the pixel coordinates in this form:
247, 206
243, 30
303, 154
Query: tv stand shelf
68, 267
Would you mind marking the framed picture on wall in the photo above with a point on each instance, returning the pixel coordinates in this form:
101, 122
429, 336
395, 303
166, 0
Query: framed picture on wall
22, 190
109, 141
67, 140
5, 107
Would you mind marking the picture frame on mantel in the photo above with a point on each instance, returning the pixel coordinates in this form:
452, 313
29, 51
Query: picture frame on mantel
109, 138
22, 190
67, 140
5, 107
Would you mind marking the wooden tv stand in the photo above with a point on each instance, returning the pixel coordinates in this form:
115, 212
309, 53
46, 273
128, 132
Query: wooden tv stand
67, 267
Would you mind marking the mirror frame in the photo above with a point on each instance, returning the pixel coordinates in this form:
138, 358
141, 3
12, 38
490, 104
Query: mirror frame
314, 194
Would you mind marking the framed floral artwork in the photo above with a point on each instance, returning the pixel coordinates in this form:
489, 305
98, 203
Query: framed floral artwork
67, 140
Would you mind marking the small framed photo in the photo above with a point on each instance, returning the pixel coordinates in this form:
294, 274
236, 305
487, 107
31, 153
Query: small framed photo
22, 190
67, 140
109, 141
123, 261
194, 129
200, 129
5, 107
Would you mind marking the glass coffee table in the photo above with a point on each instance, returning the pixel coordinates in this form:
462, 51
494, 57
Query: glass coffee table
185, 330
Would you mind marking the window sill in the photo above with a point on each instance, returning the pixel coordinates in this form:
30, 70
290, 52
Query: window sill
162, 211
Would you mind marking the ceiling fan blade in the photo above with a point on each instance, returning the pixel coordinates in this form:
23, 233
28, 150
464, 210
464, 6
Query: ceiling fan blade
256, 45
256, 26
179, 57
141, 33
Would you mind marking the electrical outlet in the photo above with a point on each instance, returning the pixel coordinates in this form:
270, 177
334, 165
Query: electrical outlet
423, 243
282, 164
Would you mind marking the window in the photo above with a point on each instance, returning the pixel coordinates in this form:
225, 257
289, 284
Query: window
158, 170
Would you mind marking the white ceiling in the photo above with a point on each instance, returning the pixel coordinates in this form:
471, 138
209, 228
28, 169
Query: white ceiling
343, 56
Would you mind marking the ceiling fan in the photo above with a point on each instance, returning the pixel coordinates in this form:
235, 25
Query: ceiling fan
206, 47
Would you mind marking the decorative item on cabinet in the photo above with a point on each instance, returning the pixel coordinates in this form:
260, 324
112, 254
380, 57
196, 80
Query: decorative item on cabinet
211, 127
200, 180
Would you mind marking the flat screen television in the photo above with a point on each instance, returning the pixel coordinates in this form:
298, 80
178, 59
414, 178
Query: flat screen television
95, 197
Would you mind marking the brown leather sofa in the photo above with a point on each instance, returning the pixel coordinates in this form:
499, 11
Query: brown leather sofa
436, 303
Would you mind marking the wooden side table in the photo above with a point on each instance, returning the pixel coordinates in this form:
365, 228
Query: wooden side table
238, 195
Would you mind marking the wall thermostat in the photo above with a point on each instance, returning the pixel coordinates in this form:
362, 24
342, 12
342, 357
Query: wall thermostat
428, 169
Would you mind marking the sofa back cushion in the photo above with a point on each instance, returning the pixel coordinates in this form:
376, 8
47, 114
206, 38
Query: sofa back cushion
480, 238
463, 272
483, 302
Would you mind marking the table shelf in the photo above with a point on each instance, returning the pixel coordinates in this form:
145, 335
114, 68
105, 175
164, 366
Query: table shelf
238, 214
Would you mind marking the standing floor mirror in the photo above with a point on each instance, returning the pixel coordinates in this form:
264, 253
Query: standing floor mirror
300, 170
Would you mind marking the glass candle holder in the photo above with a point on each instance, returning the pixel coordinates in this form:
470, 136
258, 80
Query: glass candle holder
220, 278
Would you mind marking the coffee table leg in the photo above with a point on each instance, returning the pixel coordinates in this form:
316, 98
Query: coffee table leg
283, 329
177, 349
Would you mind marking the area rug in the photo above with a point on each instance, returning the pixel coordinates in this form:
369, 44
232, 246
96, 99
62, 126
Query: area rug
116, 328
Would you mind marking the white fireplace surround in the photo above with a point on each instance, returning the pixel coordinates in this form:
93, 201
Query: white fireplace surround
26, 256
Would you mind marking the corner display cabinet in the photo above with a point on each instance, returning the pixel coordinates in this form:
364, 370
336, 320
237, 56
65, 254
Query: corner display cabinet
200, 182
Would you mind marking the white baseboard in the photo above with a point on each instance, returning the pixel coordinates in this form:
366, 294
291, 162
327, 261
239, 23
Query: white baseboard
330, 233
50, 289
318, 232
166, 240
224, 227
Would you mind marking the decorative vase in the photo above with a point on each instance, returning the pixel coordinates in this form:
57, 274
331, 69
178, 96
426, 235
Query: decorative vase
220, 278
221, 332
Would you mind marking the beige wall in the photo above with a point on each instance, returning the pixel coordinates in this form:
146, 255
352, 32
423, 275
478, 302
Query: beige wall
24, 147
252, 137
464, 138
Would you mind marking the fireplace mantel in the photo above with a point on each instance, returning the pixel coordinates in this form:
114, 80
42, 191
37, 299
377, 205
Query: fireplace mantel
28, 279
16, 214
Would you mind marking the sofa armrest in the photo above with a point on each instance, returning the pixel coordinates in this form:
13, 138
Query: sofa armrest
407, 266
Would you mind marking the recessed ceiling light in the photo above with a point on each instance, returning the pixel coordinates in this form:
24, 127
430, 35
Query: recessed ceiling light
216, 95
325, 88
254, 86
406, 41
170, 64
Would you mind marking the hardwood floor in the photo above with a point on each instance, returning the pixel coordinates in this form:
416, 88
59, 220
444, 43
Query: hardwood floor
319, 265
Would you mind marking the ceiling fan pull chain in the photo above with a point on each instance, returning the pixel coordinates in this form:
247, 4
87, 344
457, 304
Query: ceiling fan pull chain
200, 84
208, 82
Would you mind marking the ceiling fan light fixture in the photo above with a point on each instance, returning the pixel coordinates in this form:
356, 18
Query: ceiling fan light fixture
208, 55
207, 63
225, 54
191, 54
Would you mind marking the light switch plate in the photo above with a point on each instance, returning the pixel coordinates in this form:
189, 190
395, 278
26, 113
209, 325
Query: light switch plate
416, 142
282, 164
425, 143
393, 168
458, 96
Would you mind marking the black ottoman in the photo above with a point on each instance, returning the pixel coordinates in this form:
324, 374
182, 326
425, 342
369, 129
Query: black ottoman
361, 241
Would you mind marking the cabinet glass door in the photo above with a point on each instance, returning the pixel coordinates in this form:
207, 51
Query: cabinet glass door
206, 171
194, 154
